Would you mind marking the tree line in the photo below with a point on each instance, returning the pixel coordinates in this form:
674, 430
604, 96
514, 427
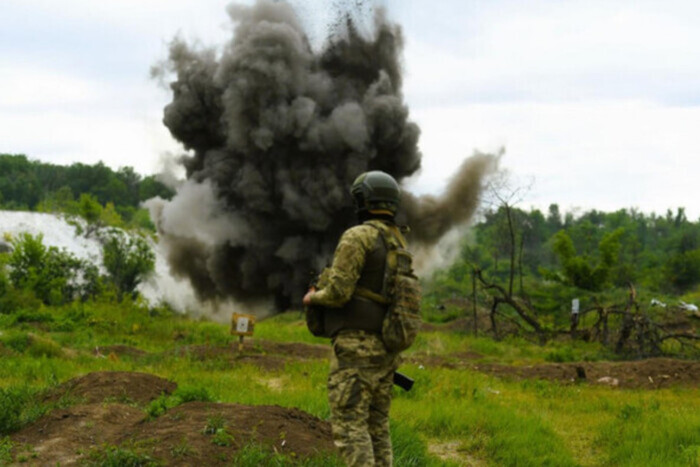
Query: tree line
526, 267
29, 185
593, 251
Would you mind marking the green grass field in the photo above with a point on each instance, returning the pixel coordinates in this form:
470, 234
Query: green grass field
451, 417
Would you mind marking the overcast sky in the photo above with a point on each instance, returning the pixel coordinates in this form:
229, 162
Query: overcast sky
597, 101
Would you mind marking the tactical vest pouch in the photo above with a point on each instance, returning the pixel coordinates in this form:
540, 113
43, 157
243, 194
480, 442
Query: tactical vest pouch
316, 315
402, 290
315, 320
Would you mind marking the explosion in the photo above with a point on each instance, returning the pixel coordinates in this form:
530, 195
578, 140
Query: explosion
278, 133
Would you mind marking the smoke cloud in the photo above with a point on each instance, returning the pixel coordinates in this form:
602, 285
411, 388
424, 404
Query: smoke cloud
278, 132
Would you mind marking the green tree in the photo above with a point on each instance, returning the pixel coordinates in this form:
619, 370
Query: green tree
54, 276
582, 271
128, 260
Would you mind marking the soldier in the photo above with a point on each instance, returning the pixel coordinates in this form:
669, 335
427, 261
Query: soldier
362, 369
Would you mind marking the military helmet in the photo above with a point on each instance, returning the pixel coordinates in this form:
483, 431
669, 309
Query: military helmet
376, 192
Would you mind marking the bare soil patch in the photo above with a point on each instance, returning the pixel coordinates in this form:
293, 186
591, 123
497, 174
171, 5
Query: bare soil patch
267, 355
114, 386
653, 373
451, 451
64, 436
454, 360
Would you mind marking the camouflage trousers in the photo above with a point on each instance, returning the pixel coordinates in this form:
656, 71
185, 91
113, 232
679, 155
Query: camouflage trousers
359, 392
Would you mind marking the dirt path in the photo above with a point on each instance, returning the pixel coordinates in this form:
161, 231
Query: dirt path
653, 373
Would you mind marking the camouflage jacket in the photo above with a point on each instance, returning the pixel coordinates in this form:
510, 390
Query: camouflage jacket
336, 284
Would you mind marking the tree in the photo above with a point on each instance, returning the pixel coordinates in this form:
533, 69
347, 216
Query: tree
54, 276
128, 260
582, 271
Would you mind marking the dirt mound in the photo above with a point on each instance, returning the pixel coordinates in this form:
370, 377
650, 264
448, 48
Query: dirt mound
203, 433
65, 435
653, 373
114, 386
182, 437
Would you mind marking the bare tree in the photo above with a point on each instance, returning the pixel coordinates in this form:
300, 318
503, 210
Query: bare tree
505, 195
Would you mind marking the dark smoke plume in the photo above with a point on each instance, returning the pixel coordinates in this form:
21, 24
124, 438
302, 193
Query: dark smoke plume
279, 132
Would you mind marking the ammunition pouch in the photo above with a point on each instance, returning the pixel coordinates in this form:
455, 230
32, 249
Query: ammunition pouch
359, 314
315, 320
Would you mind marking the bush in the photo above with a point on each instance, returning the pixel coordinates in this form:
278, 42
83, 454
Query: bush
11, 405
35, 345
54, 276
18, 407
13, 300
128, 260
17, 341
5, 450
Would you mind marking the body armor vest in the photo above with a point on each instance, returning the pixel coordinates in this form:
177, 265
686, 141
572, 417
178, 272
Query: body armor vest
361, 313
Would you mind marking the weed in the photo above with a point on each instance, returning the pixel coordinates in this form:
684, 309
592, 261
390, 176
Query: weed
29, 316
222, 438
164, 402
182, 450
5, 450
158, 407
214, 424
11, 406
191, 394
254, 455
17, 341
114, 456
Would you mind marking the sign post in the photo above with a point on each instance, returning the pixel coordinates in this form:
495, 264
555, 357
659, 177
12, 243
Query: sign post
575, 306
242, 325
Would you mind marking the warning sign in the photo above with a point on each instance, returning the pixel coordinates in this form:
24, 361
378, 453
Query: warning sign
242, 324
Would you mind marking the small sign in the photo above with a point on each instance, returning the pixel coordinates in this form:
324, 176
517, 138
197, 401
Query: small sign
242, 324
574, 306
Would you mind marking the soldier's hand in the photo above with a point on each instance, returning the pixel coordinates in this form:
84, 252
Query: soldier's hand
307, 298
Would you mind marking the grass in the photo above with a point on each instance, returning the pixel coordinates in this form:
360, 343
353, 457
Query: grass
254, 455
496, 422
115, 456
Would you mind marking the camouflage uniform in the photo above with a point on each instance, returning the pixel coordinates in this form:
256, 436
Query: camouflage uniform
361, 370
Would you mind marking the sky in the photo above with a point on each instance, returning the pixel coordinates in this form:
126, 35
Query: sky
597, 103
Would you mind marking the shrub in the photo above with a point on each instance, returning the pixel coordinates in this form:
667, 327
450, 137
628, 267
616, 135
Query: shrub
128, 260
19, 406
13, 300
33, 344
5, 450
11, 405
54, 276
